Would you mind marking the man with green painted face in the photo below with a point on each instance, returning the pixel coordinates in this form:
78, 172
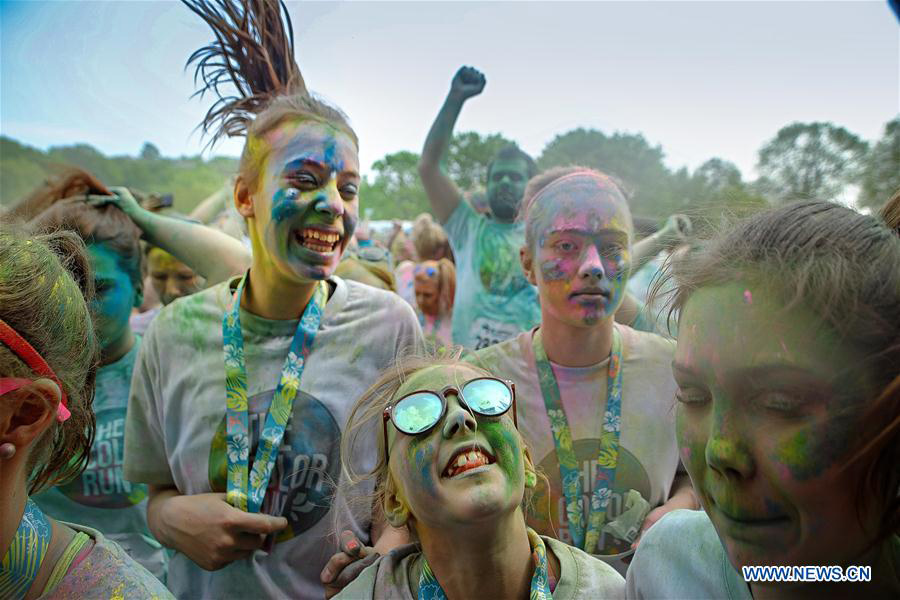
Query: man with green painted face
494, 301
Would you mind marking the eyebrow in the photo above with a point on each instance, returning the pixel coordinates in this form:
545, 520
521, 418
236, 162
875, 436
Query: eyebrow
309, 161
763, 371
613, 233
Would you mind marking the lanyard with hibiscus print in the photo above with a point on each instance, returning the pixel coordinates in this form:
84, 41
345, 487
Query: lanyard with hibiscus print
237, 428
22, 561
430, 589
562, 436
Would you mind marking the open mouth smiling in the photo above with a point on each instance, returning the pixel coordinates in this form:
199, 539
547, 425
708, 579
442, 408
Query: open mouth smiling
466, 459
322, 241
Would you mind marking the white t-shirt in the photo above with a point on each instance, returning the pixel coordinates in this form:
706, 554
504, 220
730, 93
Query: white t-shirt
394, 576
648, 452
100, 497
493, 299
682, 557
175, 432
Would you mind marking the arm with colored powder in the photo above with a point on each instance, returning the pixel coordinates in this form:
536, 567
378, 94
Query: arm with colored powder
442, 193
674, 232
213, 254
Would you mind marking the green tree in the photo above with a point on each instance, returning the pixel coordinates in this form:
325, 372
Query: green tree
628, 157
811, 160
881, 170
469, 156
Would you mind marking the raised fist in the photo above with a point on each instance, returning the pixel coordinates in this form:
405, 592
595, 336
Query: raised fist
467, 82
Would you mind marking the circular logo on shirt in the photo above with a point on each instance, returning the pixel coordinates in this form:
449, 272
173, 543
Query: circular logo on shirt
101, 484
547, 514
497, 263
306, 467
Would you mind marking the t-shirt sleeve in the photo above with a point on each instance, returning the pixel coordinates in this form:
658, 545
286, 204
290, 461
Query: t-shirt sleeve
145, 454
460, 223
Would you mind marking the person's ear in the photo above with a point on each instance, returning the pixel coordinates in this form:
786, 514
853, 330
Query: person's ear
243, 198
396, 510
530, 471
527, 264
31, 410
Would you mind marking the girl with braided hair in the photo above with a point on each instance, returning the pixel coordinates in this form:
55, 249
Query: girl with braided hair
240, 391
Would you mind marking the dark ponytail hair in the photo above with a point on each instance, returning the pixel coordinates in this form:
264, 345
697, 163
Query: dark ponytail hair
254, 53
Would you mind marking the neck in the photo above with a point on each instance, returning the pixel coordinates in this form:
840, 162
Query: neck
117, 349
884, 583
499, 548
271, 297
11, 508
572, 346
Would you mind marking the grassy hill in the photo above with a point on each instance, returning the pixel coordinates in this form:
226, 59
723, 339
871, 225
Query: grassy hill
188, 179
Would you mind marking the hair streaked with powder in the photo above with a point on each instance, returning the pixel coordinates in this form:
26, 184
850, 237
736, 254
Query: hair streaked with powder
44, 282
254, 54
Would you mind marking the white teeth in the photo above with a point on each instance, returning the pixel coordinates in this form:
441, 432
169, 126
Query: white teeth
461, 460
473, 456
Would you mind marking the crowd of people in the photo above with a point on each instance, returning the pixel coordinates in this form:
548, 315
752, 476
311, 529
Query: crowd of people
516, 398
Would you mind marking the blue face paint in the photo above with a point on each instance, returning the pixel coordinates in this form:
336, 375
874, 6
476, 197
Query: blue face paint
311, 179
115, 295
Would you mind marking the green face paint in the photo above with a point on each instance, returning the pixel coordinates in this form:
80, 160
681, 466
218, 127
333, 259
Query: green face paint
505, 188
768, 413
114, 298
464, 469
306, 207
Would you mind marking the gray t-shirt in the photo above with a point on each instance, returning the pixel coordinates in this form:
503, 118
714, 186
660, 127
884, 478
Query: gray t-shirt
175, 433
394, 576
682, 557
100, 497
648, 451
493, 299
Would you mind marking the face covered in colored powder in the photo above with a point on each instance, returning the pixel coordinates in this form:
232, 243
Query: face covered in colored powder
581, 251
428, 289
170, 277
306, 208
115, 295
767, 416
426, 470
505, 187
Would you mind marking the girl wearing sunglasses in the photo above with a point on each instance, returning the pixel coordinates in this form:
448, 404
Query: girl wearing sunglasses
453, 468
48, 357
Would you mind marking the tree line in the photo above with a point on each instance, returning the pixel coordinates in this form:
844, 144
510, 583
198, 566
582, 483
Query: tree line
803, 160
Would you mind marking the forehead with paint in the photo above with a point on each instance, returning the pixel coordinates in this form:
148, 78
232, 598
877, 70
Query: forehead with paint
583, 202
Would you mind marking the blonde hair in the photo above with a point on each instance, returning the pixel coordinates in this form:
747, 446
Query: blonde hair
429, 238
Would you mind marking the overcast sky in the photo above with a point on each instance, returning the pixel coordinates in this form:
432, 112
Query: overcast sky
701, 79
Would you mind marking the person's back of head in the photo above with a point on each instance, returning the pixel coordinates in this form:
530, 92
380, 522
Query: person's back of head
44, 282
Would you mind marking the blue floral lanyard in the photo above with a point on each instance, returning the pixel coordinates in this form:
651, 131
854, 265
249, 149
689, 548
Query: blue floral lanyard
22, 561
430, 589
237, 428
608, 456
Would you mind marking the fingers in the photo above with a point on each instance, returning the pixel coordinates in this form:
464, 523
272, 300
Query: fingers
350, 544
255, 523
248, 541
97, 200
